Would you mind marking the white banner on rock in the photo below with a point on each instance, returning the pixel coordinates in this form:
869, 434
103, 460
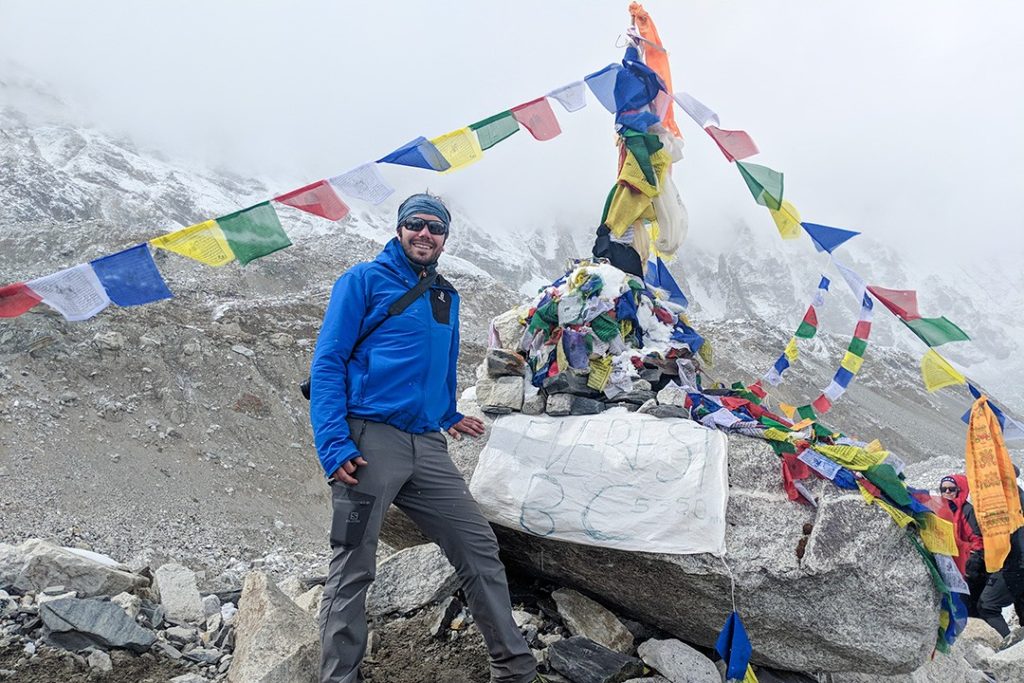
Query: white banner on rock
621, 480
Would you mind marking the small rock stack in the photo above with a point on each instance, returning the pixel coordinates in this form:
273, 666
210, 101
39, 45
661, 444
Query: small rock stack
596, 338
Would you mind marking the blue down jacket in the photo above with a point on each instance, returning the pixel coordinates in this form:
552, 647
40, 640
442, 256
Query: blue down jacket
403, 374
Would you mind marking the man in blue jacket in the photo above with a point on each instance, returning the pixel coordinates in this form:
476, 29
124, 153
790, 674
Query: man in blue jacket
378, 406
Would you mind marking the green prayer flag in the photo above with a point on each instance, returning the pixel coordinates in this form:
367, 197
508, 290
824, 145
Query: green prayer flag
806, 413
494, 129
254, 232
884, 477
782, 447
806, 330
604, 327
643, 145
936, 331
821, 431
768, 422
764, 183
858, 346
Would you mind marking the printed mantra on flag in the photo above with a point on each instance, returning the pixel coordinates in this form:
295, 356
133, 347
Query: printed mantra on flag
622, 480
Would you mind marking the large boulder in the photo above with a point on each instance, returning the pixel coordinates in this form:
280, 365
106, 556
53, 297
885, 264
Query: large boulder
179, 593
833, 588
35, 564
76, 624
275, 641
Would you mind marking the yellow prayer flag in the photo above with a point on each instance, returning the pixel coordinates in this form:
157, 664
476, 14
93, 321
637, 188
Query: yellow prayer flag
750, 676
774, 434
787, 220
204, 242
852, 362
460, 148
802, 424
787, 410
874, 447
937, 534
560, 357
600, 370
865, 494
852, 457
993, 484
898, 516
791, 351
938, 373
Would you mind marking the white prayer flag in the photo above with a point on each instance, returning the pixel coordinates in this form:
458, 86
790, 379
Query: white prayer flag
950, 574
697, 111
773, 377
833, 391
854, 281
76, 292
573, 96
364, 182
819, 463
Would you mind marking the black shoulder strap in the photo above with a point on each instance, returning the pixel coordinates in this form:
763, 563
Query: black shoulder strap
400, 304
403, 302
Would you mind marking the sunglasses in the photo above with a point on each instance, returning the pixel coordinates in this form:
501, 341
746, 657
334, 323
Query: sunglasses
417, 224
947, 489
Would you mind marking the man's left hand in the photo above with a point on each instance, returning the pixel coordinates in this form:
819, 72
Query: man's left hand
473, 426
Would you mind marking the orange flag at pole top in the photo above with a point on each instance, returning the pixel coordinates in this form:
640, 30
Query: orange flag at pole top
656, 57
993, 484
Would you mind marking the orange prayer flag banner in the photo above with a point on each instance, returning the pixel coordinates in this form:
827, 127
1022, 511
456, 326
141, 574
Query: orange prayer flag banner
656, 57
993, 484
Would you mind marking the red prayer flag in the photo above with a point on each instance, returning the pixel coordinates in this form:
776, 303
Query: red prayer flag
821, 404
757, 390
811, 317
735, 144
793, 469
538, 117
902, 302
318, 198
16, 299
863, 329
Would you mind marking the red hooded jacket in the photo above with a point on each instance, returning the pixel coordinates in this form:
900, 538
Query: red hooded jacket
958, 512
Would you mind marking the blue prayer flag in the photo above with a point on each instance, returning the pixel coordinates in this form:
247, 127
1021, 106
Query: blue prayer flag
844, 479
637, 84
825, 282
659, 276
420, 153
602, 84
782, 364
686, 334
843, 377
130, 277
826, 238
998, 413
733, 646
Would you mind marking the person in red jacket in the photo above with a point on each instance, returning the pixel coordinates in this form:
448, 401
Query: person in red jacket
970, 546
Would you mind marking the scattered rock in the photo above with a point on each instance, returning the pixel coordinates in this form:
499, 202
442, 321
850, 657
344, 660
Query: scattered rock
179, 593
1008, 664
275, 641
76, 623
243, 351
189, 678
584, 661
569, 383
410, 579
211, 605
110, 341
678, 662
309, 601
204, 655
131, 604
502, 363
281, 340
100, 661
585, 617
503, 392
35, 564
292, 587
446, 611
667, 411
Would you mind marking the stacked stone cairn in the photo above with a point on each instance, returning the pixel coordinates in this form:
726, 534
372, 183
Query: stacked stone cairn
594, 339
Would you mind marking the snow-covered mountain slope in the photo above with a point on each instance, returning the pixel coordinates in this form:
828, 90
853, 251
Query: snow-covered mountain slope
57, 175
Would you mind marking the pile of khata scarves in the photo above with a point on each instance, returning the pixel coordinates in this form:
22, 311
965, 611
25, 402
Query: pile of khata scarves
601, 322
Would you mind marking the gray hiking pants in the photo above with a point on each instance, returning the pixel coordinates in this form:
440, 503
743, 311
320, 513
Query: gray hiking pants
414, 472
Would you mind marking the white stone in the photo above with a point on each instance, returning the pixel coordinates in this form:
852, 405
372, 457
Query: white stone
585, 617
502, 392
310, 600
678, 662
672, 395
410, 579
211, 605
44, 598
100, 661
275, 641
131, 604
179, 595
509, 329
35, 564
292, 587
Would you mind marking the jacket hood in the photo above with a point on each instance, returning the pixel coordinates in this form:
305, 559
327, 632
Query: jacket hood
961, 482
393, 257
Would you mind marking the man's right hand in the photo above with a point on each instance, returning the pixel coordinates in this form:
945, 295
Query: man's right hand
347, 469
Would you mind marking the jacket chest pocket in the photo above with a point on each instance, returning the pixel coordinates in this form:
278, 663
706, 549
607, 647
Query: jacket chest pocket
441, 305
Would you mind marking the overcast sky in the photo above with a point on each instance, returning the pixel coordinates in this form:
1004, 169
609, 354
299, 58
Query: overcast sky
898, 119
